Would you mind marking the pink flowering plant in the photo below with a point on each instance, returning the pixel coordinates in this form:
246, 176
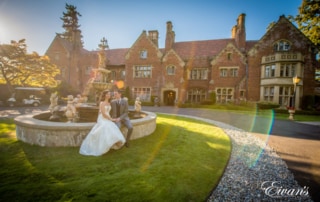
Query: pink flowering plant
290, 108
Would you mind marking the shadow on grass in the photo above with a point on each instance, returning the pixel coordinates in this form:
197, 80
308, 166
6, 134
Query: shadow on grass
182, 160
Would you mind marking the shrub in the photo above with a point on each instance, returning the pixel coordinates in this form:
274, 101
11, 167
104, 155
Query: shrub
267, 105
310, 102
206, 102
188, 105
213, 97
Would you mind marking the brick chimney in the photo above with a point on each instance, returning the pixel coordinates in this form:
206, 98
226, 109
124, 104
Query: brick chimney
233, 31
154, 36
239, 32
170, 36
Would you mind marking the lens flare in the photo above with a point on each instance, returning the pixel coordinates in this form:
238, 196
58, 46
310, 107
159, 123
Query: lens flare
262, 123
156, 150
119, 84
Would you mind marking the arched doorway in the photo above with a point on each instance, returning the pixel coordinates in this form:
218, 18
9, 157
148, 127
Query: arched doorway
169, 97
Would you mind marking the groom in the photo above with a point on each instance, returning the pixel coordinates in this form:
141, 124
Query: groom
119, 107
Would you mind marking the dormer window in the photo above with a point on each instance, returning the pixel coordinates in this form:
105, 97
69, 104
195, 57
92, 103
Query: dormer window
170, 70
229, 56
143, 54
57, 56
88, 70
282, 45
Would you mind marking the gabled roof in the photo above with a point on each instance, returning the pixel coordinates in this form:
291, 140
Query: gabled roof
116, 56
229, 46
250, 44
67, 45
185, 50
206, 48
171, 51
283, 19
144, 34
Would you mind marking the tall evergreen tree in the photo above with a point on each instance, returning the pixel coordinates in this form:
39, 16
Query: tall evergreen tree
71, 24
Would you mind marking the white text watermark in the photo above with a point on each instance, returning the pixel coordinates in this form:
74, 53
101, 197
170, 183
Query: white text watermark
275, 189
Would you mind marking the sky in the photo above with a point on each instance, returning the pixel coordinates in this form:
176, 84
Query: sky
121, 22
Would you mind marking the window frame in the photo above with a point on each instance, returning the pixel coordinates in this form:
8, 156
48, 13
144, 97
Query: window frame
234, 72
123, 74
198, 74
142, 71
270, 71
282, 45
196, 95
288, 69
144, 93
268, 93
223, 72
285, 93
143, 54
224, 95
173, 71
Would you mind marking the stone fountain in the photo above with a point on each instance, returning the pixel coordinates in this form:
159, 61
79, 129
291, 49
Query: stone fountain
44, 129
36, 130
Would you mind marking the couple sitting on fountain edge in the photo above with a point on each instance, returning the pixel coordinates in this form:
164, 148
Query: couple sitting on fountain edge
106, 133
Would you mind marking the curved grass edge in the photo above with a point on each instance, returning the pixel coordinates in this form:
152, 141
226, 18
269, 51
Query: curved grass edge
69, 157
208, 121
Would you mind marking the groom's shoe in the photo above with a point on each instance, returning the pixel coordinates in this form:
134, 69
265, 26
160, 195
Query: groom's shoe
128, 137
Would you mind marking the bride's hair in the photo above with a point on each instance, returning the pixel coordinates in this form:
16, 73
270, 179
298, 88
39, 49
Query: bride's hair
103, 95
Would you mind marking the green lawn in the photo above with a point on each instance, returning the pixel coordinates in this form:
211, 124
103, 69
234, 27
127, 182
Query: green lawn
182, 160
298, 117
278, 114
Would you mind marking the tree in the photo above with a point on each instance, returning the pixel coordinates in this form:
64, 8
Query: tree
71, 24
19, 68
39, 71
9, 61
308, 20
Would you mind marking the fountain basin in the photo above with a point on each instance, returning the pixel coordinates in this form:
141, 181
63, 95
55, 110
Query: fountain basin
31, 129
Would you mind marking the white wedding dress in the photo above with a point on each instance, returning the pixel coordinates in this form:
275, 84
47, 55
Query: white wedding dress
104, 135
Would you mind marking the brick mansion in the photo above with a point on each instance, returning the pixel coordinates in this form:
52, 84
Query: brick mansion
232, 70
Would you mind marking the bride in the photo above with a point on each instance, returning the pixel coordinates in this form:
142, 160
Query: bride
105, 134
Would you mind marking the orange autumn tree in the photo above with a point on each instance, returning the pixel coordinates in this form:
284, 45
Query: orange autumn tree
17, 67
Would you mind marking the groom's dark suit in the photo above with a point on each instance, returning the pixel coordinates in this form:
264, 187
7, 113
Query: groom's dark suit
119, 109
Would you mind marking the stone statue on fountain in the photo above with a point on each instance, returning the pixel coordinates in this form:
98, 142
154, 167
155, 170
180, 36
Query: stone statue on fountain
53, 101
54, 108
137, 106
71, 112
